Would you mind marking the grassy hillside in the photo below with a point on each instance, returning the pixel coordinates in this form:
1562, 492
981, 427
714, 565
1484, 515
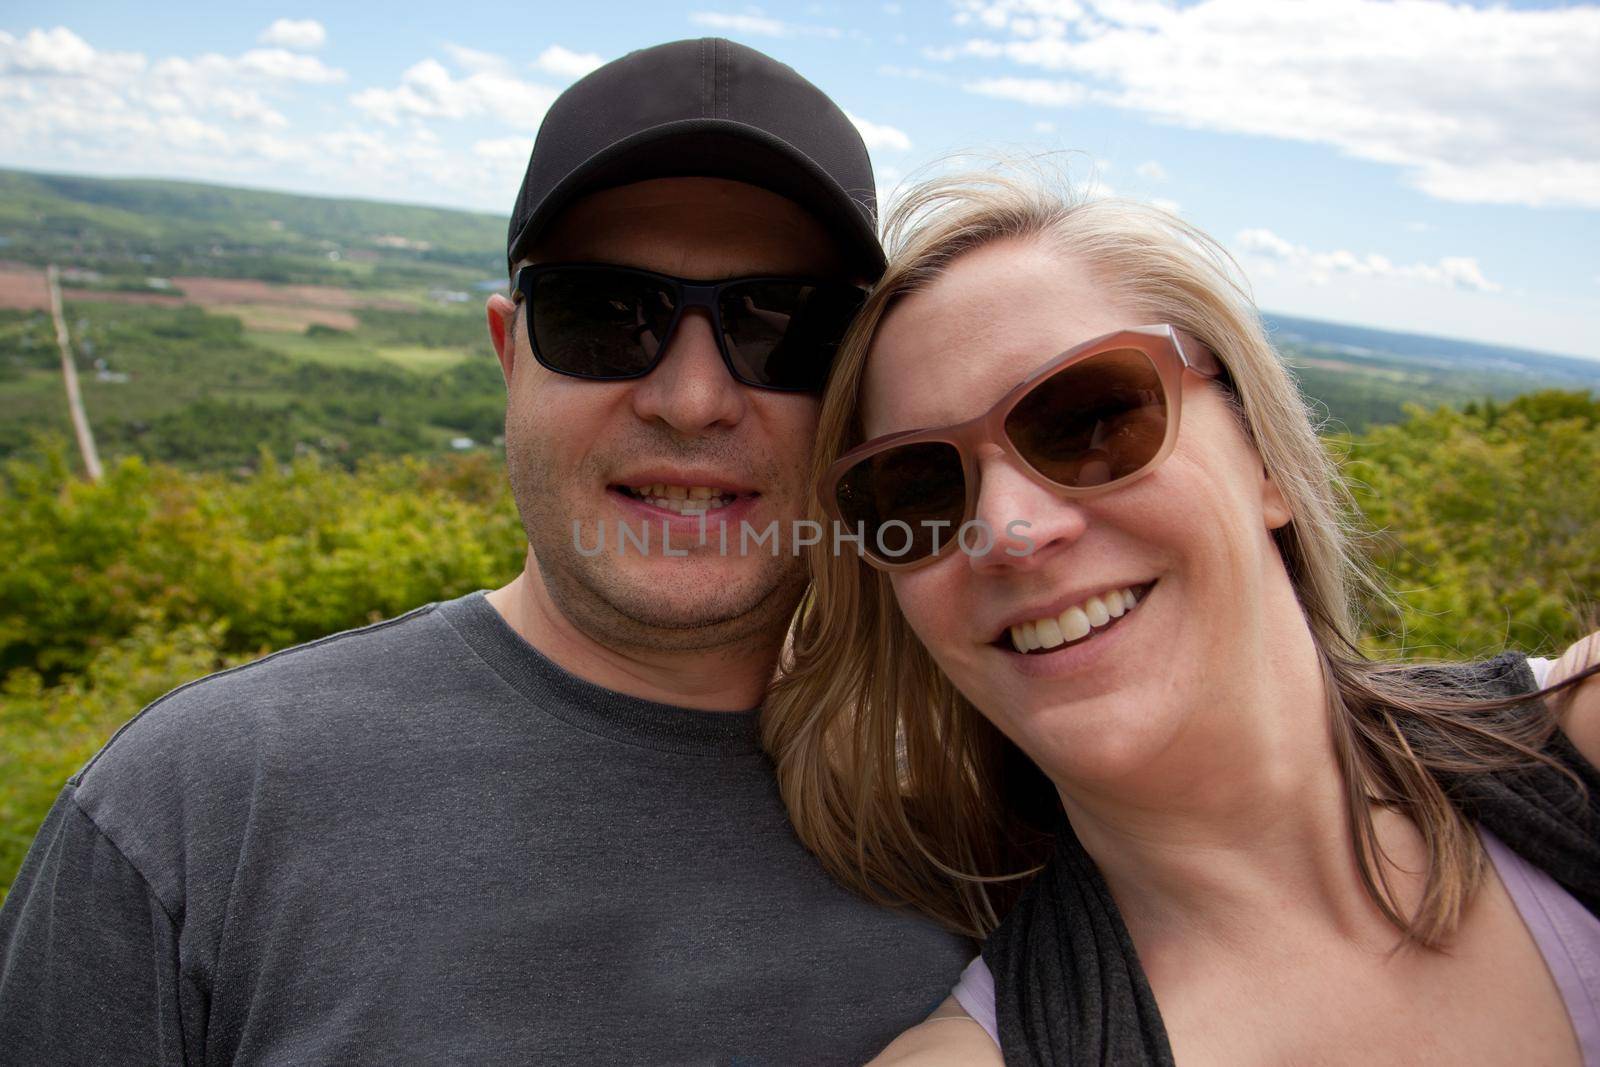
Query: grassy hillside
137, 228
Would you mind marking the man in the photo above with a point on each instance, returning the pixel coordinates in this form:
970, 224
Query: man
533, 825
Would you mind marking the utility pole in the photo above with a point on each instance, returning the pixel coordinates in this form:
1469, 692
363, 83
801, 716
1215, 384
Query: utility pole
69, 371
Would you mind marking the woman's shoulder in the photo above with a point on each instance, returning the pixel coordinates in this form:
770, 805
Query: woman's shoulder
950, 1037
1580, 711
1507, 675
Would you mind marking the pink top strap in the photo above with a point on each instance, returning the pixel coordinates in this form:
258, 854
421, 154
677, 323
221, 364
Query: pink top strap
1567, 936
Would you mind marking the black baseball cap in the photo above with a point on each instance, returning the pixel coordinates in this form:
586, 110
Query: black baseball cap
703, 108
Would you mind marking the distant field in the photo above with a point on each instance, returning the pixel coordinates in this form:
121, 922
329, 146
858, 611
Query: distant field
352, 351
281, 318
210, 387
23, 287
216, 370
259, 305
212, 323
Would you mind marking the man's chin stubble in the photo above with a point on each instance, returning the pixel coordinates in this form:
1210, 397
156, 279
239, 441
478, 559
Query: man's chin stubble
616, 611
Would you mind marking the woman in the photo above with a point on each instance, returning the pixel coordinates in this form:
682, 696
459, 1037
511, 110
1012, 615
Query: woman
1272, 850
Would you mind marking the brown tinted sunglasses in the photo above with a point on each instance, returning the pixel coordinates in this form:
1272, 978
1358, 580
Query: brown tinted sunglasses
1094, 418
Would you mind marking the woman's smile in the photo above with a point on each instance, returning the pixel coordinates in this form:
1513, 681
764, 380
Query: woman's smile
1098, 650
1084, 617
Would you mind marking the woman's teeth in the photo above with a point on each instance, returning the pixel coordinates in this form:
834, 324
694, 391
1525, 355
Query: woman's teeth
1074, 623
684, 499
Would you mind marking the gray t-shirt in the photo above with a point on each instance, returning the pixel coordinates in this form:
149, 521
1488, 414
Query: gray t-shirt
422, 841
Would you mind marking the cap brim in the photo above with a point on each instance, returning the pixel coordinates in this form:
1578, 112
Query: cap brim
719, 148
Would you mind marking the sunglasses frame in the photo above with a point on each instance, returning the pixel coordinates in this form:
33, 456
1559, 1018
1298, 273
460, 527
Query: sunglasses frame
687, 293
1170, 350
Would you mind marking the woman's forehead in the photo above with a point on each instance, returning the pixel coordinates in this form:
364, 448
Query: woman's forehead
947, 352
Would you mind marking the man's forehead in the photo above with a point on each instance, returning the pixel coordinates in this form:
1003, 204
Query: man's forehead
696, 227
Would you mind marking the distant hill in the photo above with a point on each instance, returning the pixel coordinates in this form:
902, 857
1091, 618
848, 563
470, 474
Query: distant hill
1366, 342
200, 342
136, 227
1361, 376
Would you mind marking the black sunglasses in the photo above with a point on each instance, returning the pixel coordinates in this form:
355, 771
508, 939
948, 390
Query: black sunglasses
608, 323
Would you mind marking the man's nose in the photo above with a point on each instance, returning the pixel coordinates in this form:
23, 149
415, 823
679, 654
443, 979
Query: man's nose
691, 389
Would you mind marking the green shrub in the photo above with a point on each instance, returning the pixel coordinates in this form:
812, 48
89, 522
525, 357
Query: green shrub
1481, 520
1483, 524
48, 733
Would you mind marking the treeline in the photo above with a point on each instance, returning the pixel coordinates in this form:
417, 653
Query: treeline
1481, 520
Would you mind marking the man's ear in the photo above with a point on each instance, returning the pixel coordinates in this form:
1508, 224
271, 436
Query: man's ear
502, 326
1273, 505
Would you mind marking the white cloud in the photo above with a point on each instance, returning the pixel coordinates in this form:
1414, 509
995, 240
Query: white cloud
488, 88
979, 47
1481, 104
66, 105
62, 95
887, 183
1042, 92
758, 25
277, 63
877, 135
1264, 243
1269, 253
889, 70
62, 52
505, 152
1150, 170
474, 60
565, 63
1462, 272
428, 90
1171, 207
555, 60
300, 34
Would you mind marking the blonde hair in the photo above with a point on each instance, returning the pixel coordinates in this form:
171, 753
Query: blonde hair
906, 792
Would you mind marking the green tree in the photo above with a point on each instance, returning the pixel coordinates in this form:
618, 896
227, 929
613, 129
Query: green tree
1483, 522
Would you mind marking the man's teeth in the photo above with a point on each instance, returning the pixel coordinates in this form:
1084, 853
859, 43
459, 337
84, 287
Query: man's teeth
684, 499
1074, 623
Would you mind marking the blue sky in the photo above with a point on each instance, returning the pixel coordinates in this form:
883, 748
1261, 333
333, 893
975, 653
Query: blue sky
1422, 165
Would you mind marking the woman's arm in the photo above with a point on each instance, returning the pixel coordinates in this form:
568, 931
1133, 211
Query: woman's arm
947, 1038
1579, 707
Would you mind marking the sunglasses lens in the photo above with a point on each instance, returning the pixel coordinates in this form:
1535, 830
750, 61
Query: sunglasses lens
1094, 422
783, 335
598, 323
899, 497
